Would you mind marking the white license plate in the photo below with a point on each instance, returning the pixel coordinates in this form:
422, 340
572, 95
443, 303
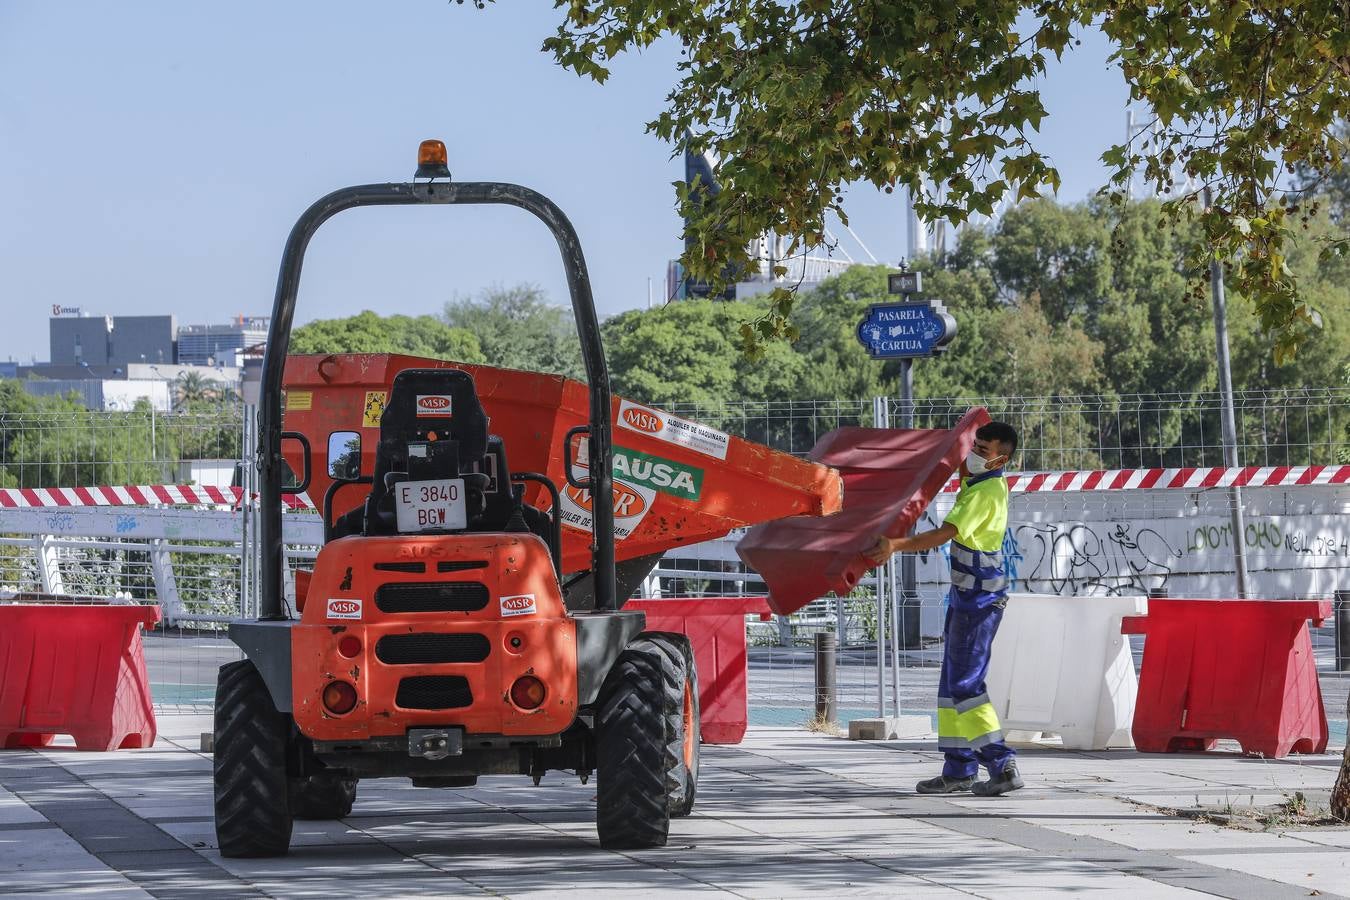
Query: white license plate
430, 505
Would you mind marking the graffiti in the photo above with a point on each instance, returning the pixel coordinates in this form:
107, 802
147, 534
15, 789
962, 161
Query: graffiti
60, 522
1113, 559
1316, 544
126, 523
1012, 558
1264, 535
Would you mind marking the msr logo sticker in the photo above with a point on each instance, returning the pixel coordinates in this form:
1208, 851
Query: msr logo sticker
344, 609
519, 605
639, 419
672, 429
433, 405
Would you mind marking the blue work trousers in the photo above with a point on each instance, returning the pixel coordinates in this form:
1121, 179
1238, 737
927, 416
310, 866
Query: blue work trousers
968, 728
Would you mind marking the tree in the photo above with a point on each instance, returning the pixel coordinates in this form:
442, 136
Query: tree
800, 98
367, 332
193, 388
682, 353
517, 328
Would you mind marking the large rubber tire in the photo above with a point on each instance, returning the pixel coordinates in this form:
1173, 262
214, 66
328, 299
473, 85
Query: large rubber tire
322, 797
253, 813
632, 798
680, 707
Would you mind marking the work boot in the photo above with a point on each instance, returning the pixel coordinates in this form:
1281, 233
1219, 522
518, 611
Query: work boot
944, 785
1002, 783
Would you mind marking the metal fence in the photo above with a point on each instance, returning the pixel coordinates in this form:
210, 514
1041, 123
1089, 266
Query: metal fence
82, 448
1298, 426
197, 576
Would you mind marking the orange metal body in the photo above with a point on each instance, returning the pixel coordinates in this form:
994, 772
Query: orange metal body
514, 565
739, 483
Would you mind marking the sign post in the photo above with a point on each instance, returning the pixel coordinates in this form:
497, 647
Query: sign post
907, 330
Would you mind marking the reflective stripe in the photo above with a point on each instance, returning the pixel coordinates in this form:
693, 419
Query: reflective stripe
973, 727
976, 559
970, 703
960, 743
963, 580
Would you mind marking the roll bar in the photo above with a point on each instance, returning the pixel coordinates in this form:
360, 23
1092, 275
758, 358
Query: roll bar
271, 468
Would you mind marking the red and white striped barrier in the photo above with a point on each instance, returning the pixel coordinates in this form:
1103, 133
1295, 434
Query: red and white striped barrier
1021, 483
133, 495
1175, 479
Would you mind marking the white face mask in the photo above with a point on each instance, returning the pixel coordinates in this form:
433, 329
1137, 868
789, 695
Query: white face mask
975, 463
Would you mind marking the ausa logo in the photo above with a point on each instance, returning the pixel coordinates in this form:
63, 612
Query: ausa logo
643, 420
433, 405
419, 551
665, 475
344, 609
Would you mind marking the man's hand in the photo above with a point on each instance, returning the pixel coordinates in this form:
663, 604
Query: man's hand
881, 550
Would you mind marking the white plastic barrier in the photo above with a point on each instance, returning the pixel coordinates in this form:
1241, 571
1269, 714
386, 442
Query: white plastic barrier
1060, 665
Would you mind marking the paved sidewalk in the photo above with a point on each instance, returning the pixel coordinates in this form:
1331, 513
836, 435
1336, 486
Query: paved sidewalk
785, 814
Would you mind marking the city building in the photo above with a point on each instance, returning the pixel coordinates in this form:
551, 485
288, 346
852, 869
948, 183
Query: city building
221, 345
118, 395
78, 339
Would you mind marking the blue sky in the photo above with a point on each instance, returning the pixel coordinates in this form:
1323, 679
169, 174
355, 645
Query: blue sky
153, 156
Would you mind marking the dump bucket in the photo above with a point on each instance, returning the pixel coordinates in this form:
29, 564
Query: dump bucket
676, 482
890, 476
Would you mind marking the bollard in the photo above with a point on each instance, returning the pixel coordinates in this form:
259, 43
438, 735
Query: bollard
827, 701
1342, 620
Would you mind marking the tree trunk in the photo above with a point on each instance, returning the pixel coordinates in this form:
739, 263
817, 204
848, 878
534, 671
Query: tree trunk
1340, 794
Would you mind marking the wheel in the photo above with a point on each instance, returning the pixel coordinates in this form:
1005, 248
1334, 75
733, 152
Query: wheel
322, 796
681, 709
632, 795
253, 813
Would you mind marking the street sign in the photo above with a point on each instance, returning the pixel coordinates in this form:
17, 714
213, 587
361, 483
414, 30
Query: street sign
906, 330
904, 283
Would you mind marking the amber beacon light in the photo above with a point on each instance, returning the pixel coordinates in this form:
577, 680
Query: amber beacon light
432, 161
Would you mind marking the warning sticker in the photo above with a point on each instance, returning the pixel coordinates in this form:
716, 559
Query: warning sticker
344, 609
631, 504
299, 401
519, 605
374, 408
672, 429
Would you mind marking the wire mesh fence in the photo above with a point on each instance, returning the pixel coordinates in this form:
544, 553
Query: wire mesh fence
1303, 426
83, 448
1112, 542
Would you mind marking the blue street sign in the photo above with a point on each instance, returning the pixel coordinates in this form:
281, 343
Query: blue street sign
906, 330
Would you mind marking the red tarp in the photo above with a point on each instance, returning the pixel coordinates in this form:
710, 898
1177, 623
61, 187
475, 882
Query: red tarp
890, 477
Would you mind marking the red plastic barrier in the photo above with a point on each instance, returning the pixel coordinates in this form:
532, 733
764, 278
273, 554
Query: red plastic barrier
1239, 669
890, 477
716, 629
76, 670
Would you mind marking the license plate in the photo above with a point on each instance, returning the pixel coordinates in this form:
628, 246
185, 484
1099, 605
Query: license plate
430, 505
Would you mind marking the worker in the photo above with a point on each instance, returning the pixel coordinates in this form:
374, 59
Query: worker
968, 728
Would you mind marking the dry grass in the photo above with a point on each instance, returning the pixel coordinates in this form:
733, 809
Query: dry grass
822, 725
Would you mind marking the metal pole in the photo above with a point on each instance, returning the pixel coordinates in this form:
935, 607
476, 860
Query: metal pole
880, 582
1341, 615
827, 695
1230, 454
896, 619
881, 419
909, 574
